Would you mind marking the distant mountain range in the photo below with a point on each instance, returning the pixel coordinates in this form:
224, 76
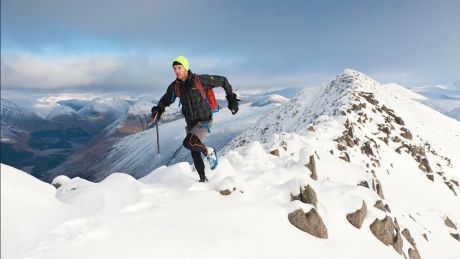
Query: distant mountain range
87, 138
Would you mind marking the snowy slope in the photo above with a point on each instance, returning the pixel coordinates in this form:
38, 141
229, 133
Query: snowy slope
259, 205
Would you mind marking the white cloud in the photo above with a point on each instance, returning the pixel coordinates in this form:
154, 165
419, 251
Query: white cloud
31, 71
108, 72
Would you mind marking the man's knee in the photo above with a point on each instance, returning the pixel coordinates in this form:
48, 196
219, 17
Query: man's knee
188, 141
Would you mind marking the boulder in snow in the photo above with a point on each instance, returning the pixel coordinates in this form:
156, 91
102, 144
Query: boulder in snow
383, 230
408, 236
275, 152
449, 223
231, 184
398, 243
307, 195
356, 218
312, 167
456, 236
379, 205
310, 222
413, 254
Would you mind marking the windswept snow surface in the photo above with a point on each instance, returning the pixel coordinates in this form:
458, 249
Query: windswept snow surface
168, 214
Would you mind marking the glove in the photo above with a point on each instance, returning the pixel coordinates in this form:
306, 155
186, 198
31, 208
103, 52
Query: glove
233, 103
157, 112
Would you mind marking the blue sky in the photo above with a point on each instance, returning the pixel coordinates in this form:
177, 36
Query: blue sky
127, 46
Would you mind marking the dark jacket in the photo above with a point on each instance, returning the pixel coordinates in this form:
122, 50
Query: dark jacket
194, 107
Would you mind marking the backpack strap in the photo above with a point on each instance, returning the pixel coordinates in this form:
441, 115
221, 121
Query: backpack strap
199, 86
176, 92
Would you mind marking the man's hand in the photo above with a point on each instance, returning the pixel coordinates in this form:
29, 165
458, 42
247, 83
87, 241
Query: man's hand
156, 113
233, 103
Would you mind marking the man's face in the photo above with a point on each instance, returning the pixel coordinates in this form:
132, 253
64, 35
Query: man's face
180, 72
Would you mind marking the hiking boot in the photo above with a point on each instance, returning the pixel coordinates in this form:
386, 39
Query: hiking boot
211, 156
203, 179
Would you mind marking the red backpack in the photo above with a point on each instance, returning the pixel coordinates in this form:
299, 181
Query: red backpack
208, 97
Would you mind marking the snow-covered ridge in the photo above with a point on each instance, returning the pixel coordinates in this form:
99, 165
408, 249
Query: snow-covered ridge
140, 107
308, 105
101, 106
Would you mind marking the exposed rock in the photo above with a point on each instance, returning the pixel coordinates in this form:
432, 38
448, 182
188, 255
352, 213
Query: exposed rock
225, 192
395, 223
310, 222
275, 152
364, 184
425, 236
356, 218
307, 195
406, 133
347, 124
349, 141
345, 157
378, 188
228, 192
413, 254
350, 131
387, 208
311, 128
451, 187
357, 107
425, 165
387, 110
312, 166
408, 236
384, 129
383, 230
367, 149
341, 147
370, 98
430, 177
449, 223
386, 140
379, 205
398, 243
396, 139
455, 236
398, 120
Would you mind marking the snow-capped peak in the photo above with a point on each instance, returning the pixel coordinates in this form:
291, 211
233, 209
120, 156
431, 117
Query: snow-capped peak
275, 99
60, 110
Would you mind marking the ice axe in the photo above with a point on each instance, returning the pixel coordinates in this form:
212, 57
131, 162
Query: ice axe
154, 120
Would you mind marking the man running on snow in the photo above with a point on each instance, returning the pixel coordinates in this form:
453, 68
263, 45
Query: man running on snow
196, 109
